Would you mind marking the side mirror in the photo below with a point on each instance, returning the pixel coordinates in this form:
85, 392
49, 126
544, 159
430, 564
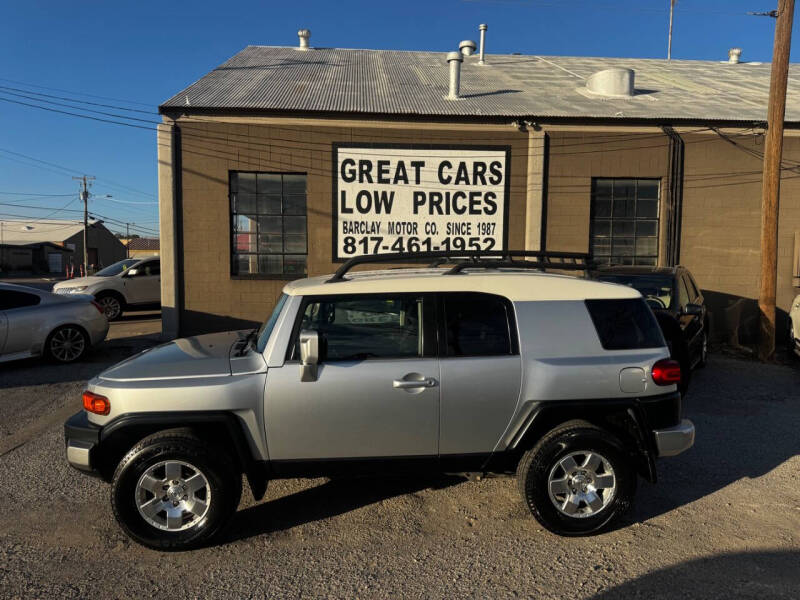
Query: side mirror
694, 310
309, 355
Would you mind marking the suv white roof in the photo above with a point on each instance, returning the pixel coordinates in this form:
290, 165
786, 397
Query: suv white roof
515, 284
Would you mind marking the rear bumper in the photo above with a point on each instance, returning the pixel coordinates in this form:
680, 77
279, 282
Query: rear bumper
674, 440
81, 438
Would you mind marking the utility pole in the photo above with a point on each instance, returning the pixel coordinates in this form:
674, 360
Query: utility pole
85, 197
669, 41
127, 240
771, 182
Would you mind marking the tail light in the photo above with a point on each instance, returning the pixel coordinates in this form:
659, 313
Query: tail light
666, 372
98, 307
95, 403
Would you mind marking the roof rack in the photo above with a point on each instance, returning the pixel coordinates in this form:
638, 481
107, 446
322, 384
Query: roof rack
477, 259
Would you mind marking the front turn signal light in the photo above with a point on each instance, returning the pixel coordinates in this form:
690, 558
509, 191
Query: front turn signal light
95, 403
666, 372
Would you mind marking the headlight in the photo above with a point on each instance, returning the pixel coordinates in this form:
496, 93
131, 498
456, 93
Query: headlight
78, 290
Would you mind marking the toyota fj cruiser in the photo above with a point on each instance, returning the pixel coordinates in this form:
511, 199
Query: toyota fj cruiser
480, 366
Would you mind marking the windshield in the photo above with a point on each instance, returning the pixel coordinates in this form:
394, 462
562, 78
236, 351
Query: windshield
657, 289
266, 329
117, 267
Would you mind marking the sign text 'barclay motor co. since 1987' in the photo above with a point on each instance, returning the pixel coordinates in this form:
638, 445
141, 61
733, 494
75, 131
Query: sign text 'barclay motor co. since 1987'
419, 199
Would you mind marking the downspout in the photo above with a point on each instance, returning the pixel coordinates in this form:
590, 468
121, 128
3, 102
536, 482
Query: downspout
672, 255
177, 222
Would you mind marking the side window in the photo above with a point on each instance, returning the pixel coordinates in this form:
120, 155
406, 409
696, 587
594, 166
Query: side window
690, 285
153, 268
367, 327
625, 324
10, 299
478, 325
683, 293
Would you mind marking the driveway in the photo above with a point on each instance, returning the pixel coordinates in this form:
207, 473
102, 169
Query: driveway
722, 522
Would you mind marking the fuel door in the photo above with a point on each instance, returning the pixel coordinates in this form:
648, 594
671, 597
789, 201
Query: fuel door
632, 380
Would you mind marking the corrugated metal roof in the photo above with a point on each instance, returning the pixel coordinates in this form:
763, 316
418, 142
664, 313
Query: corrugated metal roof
19, 232
415, 83
143, 244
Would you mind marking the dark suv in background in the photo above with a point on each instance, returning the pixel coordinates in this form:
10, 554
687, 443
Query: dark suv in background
678, 305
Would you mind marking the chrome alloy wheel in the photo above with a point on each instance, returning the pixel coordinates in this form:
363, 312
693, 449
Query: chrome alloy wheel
111, 307
581, 484
67, 344
173, 495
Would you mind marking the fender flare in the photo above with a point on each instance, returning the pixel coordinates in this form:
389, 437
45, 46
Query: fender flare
127, 429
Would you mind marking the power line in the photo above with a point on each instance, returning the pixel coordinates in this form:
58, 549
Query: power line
136, 110
43, 87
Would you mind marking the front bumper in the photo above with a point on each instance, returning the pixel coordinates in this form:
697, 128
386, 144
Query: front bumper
81, 438
674, 440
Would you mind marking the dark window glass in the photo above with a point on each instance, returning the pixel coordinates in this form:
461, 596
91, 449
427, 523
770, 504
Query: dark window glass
625, 221
625, 324
10, 299
656, 288
683, 293
694, 293
477, 325
268, 216
367, 327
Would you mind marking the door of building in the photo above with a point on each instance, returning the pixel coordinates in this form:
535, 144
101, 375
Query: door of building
54, 262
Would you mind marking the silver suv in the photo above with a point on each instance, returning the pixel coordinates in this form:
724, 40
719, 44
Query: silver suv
481, 366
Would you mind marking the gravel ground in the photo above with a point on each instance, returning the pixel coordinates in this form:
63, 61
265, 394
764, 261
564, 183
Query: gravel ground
723, 521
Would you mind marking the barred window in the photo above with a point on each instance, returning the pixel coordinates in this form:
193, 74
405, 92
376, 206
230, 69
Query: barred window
268, 222
625, 221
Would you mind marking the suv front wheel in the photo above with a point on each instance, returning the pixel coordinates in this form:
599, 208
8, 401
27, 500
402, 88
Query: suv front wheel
577, 479
173, 492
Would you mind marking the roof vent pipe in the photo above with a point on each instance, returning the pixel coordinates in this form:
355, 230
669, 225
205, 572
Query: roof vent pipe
467, 47
455, 59
304, 35
614, 83
734, 55
483, 27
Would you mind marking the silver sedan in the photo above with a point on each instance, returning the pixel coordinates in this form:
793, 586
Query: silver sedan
38, 323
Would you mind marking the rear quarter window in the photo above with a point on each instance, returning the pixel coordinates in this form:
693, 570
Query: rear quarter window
626, 324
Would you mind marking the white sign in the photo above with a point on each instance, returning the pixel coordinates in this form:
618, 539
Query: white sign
419, 199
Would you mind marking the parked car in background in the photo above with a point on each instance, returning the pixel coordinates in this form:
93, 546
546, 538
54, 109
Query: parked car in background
678, 305
127, 284
39, 323
475, 367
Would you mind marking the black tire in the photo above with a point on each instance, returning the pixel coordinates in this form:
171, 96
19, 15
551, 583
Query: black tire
537, 464
66, 344
112, 303
221, 474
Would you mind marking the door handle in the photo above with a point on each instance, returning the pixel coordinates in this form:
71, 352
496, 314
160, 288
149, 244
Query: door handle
404, 384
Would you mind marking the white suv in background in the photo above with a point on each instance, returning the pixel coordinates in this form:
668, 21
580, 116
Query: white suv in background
125, 284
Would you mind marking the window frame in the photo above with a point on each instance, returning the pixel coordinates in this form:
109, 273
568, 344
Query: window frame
657, 219
232, 232
429, 324
511, 324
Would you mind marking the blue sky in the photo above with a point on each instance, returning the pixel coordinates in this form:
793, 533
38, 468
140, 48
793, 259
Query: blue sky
137, 54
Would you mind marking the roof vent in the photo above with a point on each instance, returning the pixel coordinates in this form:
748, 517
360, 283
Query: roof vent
304, 35
614, 83
467, 47
455, 59
482, 27
734, 56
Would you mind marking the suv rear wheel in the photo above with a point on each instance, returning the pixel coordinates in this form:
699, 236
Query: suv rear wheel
111, 304
173, 492
577, 479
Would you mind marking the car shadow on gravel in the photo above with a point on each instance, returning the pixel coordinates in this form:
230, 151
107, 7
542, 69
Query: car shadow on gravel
742, 575
332, 498
40, 371
746, 416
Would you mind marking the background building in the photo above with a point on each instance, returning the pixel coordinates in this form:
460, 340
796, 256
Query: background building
283, 161
48, 246
140, 247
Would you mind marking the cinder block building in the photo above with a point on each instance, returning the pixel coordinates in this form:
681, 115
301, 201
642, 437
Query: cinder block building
284, 161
